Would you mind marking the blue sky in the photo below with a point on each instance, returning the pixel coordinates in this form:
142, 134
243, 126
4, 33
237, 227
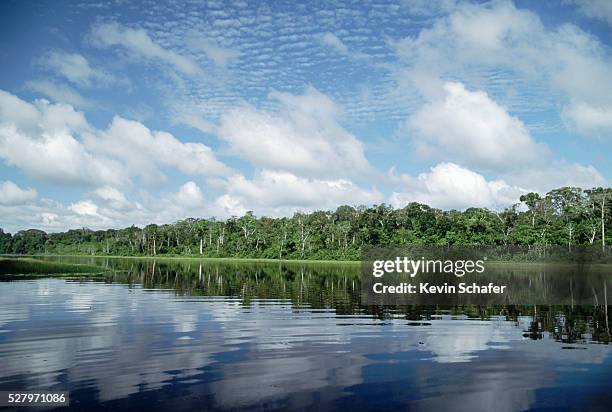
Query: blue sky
127, 112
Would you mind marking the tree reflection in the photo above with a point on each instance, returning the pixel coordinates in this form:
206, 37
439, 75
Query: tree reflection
311, 286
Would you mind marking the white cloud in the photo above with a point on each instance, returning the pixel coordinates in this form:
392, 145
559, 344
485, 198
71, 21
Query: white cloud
53, 142
75, 68
589, 120
221, 56
110, 194
597, 9
38, 139
473, 35
84, 208
228, 205
189, 196
305, 138
104, 208
508, 50
469, 127
11, 194
196, 122
56, 157
330, 39
139, 42
59, 93
114, 200
40, 116
275, 193
42, 214
429, 7
144, 151
553, 175
450, 186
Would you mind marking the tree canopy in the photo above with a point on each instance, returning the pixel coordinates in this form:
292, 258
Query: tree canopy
566, 216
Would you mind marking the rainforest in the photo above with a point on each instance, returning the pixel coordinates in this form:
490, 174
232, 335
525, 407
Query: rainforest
566, 216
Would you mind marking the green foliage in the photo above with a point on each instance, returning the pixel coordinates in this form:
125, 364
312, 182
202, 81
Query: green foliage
29, 266
567, 216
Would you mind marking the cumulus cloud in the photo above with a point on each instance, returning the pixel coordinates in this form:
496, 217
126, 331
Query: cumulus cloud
139, 42
470, 127
274, 193
497, 46
110, 194
557, 174
144, 151
450, 186
84, 208
589, 120
53, 142
103, 208
38, 139
39, 117
189, 196
304, 138
11, 194
57, 157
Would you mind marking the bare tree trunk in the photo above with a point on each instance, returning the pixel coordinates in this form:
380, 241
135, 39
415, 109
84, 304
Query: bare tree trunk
603, 226
303, 236
283, 240
201, 245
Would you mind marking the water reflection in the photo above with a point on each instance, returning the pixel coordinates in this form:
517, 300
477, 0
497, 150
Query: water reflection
186, 334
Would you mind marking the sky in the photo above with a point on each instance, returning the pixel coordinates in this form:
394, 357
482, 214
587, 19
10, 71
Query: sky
121, 113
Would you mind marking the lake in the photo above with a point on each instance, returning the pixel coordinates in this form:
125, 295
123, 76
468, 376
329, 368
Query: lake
187, 334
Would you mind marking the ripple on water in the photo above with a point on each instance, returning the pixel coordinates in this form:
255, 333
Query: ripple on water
114, 341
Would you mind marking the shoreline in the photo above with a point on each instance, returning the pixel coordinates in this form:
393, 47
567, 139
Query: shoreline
517, 263
210, 259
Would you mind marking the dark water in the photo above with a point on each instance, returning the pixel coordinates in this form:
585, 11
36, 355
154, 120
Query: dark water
171, 335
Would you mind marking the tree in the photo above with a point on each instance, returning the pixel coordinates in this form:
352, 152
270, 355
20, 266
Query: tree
568, 205
508, 220
599, 198
565, 216
5, 242
532, 200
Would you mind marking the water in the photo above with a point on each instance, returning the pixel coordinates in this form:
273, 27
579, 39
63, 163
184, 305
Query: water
182, 335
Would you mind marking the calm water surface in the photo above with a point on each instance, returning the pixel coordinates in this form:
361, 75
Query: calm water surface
182, 335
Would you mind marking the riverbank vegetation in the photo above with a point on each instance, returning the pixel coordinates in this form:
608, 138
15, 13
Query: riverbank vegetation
37, 266
567, 216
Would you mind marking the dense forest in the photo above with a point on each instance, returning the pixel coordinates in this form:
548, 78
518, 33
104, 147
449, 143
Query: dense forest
566, 216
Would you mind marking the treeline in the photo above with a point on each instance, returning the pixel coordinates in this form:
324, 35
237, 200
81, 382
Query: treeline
567, 216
